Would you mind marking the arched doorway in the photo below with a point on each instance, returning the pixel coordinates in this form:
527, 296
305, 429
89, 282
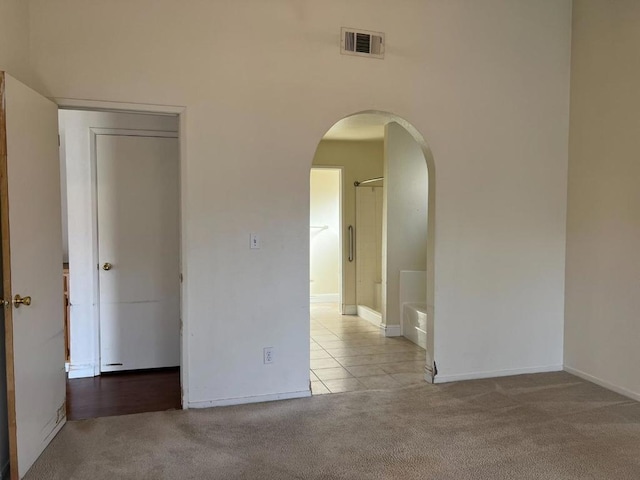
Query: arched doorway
380, 331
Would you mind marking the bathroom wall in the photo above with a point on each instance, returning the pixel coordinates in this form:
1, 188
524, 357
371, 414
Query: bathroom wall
368, 257
360, 160
404, 217
324, 235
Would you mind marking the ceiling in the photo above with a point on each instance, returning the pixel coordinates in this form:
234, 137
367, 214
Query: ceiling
364, 126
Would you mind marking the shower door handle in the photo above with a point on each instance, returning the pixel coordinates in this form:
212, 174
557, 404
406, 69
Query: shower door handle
351, 243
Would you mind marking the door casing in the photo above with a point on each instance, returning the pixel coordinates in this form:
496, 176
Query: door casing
180, 112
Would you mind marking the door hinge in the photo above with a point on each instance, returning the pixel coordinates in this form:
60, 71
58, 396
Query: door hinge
181, 278
58, 140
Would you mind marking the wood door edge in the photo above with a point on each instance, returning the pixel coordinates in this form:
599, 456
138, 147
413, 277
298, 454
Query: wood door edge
6, 284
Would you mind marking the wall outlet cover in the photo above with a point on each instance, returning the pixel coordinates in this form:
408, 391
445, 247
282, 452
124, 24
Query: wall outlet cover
268, 355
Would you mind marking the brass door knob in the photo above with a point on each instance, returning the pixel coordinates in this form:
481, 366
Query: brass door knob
18, 300
107, 266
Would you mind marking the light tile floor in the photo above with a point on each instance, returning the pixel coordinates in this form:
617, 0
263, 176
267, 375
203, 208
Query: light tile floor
348, 353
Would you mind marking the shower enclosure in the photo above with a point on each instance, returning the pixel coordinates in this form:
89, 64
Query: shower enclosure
369, 250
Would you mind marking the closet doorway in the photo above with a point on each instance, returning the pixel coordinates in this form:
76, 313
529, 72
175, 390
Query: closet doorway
121, 215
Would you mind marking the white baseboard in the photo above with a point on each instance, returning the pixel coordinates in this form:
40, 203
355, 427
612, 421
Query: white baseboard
369, 314
83, 370
349, 309
496, 373
325, 298
428, 377
603, 383
252, 399
391, 330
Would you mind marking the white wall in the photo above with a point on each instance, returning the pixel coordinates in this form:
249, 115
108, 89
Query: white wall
14, 59
359, 160
14, 39
602, 329
324, 212
486, 83
404, 216
81, 224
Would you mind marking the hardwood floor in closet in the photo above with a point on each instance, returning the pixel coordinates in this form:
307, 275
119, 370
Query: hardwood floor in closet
123, 393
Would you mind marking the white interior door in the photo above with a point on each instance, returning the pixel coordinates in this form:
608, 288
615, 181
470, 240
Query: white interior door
32, 266
138, 243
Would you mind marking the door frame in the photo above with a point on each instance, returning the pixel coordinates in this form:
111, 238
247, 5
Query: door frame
341, 249
181, 113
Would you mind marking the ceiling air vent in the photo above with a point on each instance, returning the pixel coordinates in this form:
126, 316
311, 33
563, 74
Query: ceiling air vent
362, 43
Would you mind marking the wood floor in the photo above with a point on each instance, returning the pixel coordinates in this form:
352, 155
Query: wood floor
123, 393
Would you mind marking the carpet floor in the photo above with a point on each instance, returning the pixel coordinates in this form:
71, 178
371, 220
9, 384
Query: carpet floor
545, 426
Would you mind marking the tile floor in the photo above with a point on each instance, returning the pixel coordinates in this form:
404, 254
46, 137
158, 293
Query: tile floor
348, 354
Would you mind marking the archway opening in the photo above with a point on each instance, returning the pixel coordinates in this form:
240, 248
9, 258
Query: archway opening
376, 249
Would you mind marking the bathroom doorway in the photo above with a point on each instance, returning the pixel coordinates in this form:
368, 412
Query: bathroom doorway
325, 263
367, 339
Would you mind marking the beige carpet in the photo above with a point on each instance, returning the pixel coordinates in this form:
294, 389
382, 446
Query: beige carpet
547, 426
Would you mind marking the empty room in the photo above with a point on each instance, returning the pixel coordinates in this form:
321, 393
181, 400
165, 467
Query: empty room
364, 239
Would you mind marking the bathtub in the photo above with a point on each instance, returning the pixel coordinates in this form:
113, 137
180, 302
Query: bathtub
414, 323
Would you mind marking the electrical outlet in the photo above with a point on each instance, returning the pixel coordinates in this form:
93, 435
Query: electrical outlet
268, 355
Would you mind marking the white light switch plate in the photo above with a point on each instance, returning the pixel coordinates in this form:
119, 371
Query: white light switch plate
254, 241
